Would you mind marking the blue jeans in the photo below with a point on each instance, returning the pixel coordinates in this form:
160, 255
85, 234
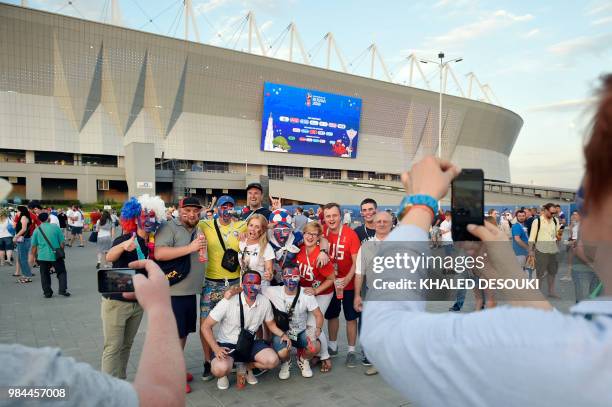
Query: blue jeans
585, 282
23, 250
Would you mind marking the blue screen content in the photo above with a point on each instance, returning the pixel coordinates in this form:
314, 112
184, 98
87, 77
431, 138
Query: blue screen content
306, 121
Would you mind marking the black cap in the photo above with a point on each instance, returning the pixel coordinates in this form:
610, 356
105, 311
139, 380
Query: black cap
254, 185
190, 201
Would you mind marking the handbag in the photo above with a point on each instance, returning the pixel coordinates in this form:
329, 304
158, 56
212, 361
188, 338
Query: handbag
230, 260
246, 339
176, 269
93, 237
281, 318
59, 251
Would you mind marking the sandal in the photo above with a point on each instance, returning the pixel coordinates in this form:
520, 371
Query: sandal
16, 275
326, 366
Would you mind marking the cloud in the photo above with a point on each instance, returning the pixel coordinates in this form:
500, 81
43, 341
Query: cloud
604, 20
564, 105
531, 33
210, 5
596, 44
495, 21
599, 8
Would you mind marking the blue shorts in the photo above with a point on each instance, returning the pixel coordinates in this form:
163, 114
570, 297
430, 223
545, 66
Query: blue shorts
258, 346
6, 243
301, 343
185, 312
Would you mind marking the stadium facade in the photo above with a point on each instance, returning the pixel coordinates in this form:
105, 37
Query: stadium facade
94, 112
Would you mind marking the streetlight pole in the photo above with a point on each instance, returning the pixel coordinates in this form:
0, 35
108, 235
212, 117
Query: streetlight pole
441, 66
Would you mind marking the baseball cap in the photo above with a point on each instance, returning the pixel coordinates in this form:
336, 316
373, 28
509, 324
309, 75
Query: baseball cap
190, 201
225, 199
254, 185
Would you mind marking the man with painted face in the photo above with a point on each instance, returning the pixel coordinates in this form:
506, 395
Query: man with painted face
221, 232
177, 238
254, 193
286, 242
257, 310
306, 343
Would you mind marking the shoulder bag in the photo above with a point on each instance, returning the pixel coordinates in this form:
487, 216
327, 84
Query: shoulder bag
176, 269
59, 252
281, 318
230, 256
246, 339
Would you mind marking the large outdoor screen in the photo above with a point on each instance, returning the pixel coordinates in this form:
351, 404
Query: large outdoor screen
307, 121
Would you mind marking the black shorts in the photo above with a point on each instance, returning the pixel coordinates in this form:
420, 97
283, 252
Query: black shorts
185, 311
333, 311
258, 346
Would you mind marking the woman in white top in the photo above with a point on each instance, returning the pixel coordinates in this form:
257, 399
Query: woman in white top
255, 252
106, 234
6, 239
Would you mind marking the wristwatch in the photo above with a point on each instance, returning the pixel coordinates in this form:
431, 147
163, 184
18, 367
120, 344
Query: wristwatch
324, 251
417, 200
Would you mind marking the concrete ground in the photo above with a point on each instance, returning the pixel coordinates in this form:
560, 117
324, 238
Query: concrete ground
73, 324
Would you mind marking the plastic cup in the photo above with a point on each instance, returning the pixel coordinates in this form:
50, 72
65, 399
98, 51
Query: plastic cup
339, 284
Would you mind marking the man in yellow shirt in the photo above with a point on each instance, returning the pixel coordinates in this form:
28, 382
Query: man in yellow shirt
222, 234
543, 244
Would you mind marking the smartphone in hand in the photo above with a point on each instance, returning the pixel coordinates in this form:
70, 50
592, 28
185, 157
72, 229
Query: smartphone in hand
467, 203
118, 280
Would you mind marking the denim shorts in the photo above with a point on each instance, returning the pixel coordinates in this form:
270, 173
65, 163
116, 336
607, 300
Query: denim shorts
6, 243
301, 343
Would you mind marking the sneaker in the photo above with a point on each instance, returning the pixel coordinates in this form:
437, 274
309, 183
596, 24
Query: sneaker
351, 360
189, 377
250, 378
454, 309
371, 371
187, 388
332, 352
65, 294
304, 366
206, 374
222, 383
365, 361
285, 370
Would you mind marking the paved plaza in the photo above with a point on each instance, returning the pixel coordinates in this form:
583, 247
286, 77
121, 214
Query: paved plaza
74, 325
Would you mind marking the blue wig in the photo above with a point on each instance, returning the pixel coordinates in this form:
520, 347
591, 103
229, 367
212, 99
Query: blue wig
131, 209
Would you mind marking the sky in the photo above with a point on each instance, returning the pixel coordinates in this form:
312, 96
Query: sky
542, 59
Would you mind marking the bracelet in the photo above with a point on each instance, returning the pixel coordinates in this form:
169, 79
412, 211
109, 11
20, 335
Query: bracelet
417, 200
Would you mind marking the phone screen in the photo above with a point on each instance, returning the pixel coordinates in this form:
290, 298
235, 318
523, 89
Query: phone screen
115, 280
467, 203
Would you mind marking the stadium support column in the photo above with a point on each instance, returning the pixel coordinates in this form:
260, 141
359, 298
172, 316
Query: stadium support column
140, 168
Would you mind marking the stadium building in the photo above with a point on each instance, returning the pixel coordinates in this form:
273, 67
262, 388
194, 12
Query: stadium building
95, 112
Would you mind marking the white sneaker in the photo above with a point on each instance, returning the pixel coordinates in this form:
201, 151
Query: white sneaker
304, 366
250, 378
285, 370
223, 383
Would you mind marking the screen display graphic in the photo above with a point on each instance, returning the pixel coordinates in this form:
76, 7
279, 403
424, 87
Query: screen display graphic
306, 121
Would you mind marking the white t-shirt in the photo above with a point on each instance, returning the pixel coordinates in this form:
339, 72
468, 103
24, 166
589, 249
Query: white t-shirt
446, 226
75, 214
282, 302
54, 220
4, 228
250, 258
227, 314
574, 231
358, 262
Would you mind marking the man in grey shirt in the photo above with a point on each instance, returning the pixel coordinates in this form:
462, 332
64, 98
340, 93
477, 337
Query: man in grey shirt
299, 220
177, 238
159, 378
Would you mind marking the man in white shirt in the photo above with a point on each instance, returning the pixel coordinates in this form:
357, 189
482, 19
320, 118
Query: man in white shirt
75, 220
256, 310
52, 218
446, 236
283, 298
383, 223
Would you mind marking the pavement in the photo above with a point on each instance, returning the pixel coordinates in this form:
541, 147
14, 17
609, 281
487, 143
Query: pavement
74, 325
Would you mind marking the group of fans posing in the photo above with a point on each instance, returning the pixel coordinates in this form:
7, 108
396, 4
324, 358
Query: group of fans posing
267, 285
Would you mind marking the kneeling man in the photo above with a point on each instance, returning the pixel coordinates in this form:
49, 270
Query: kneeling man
283, 299
257, 310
